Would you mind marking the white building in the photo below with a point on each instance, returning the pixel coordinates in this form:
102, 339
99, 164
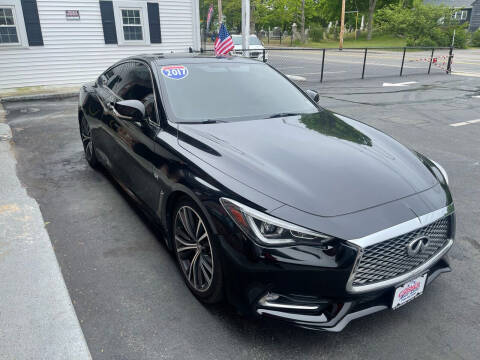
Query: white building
68, 42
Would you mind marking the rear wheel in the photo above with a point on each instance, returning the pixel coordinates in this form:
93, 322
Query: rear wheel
196, 252
86, 137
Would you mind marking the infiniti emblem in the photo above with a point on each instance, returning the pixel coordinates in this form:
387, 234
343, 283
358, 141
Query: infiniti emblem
417, 246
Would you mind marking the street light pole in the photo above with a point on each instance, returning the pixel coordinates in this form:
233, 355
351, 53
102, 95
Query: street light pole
342, 25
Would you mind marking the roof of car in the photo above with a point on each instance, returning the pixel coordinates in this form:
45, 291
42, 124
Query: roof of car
188, 58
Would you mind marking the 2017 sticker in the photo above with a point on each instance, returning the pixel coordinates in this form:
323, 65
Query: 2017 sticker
175, 72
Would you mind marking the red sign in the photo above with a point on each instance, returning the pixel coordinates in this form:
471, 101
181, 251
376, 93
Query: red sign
72, 14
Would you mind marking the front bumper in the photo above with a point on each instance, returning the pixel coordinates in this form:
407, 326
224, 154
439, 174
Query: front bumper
252, 54
314, 285
362, 305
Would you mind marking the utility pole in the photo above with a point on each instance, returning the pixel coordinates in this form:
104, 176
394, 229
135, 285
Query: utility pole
303, 22
220, 14
342, 25
245, 23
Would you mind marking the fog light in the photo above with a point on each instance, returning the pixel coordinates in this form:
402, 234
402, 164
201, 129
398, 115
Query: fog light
276, 301
270, 297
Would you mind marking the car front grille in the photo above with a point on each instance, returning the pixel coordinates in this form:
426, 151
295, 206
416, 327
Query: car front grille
254, 54
389, 259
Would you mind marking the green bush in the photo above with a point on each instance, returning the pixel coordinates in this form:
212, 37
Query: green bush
423, 41
461, 38
316, 33
476, 38
423, 25
334, 32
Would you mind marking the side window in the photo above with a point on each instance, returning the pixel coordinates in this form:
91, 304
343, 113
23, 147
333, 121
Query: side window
132, 81
112, 77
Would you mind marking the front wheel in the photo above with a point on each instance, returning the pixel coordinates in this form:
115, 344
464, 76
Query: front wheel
86, 136
196, 252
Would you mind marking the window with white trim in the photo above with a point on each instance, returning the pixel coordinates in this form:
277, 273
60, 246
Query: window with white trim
460, 15
12, 26
131, 21
8, 26
132, 24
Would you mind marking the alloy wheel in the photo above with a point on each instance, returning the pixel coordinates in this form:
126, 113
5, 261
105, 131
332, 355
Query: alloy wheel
193, 247
86, 138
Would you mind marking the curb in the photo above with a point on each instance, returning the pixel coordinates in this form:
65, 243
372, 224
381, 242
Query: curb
54, 96
5, 132
37, 316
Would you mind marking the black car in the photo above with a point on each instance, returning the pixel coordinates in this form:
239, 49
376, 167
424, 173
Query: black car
281, 207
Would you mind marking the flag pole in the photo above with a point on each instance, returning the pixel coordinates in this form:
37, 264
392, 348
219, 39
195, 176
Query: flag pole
245, 24
220, 14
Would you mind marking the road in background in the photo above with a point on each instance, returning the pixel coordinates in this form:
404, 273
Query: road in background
131, 299
348, 63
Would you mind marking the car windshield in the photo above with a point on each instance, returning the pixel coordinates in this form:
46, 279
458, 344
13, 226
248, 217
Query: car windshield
229, 91
253, 40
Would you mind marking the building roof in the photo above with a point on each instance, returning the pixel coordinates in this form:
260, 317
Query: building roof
451, 3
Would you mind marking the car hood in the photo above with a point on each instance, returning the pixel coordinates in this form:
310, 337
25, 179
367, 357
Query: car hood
250, 47
321, 163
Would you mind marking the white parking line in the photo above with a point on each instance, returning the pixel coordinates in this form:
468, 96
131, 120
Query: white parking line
288, 67
296, 77
465, 74
465, 123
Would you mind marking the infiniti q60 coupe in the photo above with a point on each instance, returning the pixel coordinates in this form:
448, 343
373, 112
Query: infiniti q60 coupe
267, 200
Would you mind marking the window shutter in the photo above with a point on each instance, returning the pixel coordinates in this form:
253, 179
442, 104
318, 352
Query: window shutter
154, 23
108, 22
32, 22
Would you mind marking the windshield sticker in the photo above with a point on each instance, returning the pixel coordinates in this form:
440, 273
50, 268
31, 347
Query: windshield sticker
176, 72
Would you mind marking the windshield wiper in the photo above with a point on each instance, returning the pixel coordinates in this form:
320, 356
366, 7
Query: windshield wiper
285, 114
209, 121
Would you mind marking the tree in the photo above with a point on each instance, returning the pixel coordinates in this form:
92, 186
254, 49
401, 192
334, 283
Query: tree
331, 10
423, 25
371, 10
302, 29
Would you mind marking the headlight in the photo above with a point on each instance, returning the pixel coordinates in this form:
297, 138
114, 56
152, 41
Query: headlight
442, 170
268, 230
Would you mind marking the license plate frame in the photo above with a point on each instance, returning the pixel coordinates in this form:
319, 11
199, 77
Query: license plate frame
409, 291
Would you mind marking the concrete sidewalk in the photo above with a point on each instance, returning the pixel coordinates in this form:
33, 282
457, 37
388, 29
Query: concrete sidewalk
37, 318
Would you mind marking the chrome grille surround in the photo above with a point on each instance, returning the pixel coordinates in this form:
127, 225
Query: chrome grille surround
390, 259
382, 260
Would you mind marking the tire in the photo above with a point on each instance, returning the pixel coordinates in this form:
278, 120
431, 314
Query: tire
87, 143
193, 243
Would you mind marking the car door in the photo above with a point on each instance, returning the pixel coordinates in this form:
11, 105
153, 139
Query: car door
134, 142
103, 123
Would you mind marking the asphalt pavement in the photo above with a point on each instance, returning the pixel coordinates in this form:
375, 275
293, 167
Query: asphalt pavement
129, 295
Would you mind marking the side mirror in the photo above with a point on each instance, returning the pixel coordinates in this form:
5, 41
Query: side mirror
315, 96
130, 110
102, 80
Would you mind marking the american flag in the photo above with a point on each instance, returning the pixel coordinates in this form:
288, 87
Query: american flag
224, 42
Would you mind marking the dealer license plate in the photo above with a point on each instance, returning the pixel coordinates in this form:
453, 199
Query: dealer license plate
409, 291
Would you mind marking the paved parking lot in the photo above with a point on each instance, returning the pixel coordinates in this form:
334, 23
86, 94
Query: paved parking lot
131, 300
